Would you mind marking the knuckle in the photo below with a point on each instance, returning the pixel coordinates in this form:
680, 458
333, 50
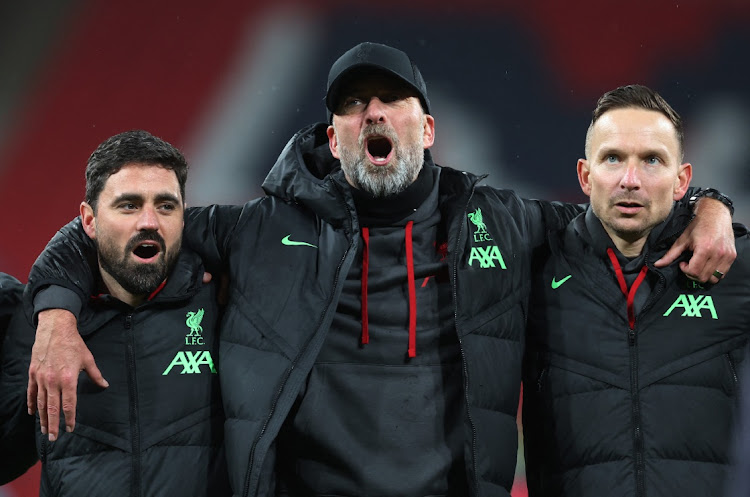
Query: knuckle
67, 377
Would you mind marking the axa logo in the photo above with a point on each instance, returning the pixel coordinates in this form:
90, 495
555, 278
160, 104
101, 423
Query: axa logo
693, 306
193, 322
191, 362
487, 257
480, 235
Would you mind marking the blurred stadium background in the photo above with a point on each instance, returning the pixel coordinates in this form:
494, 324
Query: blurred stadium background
511, 83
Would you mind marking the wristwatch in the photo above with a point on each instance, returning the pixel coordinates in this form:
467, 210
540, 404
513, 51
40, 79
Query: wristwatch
712, 193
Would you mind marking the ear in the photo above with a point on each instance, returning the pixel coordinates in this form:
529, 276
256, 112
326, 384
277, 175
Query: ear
333, 142
88, 220
428, 134
583, 176
682, 182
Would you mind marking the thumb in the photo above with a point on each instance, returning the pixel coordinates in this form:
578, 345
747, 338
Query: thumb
93, 371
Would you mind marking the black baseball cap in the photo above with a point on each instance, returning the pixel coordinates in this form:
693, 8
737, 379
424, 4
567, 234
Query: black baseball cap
376, 56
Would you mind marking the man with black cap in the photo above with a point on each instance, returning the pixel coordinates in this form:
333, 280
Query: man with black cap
373, 336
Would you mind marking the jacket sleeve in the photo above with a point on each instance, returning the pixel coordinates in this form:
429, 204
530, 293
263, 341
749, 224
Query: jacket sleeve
68, 261
209, 231
543, 217
17, 428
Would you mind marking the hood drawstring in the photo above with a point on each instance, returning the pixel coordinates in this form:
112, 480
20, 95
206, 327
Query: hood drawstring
365, 269
412, 292
629, 293
412, 349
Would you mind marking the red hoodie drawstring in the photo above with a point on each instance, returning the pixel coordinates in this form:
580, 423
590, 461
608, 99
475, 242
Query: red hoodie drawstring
412, 292
365, 269
412, 350
629, 294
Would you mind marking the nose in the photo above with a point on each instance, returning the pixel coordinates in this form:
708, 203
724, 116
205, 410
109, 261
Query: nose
148, 220
375, 111
631, 179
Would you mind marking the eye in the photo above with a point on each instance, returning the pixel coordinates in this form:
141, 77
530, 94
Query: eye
393, 97
168, 206
127, 206
611, 159
352, 102
653, 160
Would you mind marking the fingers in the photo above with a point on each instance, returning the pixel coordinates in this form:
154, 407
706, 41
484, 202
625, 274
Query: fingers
708, 268
207, 277
31, 391
41, 404
69, 401
53, 414
672, 254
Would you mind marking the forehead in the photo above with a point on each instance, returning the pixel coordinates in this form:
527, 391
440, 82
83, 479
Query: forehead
634, 127
146, 180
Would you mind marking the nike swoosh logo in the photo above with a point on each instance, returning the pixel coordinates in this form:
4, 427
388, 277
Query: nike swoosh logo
287, 241
556, 284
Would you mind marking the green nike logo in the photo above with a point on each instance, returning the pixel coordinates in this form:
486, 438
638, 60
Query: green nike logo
287, 241
556, 284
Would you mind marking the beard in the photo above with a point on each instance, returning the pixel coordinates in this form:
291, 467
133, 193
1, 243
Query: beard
382, 181
134, 277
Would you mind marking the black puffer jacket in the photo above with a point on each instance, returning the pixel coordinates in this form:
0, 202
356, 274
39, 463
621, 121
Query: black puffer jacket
615, 410
288, 255
157, 430
17, 450
283, 299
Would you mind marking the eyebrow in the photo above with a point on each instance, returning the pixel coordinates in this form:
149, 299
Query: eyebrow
618, 151
139, 198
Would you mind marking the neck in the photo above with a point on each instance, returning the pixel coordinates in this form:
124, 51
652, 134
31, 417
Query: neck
628, 248
117, 291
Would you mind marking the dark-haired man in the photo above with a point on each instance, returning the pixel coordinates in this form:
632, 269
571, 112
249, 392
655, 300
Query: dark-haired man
373, 337
630, 377
154, 427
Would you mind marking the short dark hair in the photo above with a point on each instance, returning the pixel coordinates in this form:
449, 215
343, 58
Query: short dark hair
637, 97
131, 147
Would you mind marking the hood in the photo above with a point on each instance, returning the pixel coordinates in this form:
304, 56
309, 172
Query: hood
306, 173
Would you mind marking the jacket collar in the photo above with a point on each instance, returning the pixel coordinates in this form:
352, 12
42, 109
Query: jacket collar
661, 237
306, 173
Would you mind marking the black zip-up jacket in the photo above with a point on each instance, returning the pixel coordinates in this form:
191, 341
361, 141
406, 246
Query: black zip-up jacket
288, 255
17, 450
283, 298
638, 405
157, 430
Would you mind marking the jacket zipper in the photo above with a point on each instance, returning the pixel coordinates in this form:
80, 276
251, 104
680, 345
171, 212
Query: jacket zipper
294, 363
472, 478
733, 370
636, 414
135, 434
540, 379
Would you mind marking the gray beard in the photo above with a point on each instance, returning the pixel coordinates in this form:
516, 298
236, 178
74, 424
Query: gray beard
382, 181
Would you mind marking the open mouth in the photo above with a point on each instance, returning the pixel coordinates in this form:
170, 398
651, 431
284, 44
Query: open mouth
379, 149
629, 207
147, 250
